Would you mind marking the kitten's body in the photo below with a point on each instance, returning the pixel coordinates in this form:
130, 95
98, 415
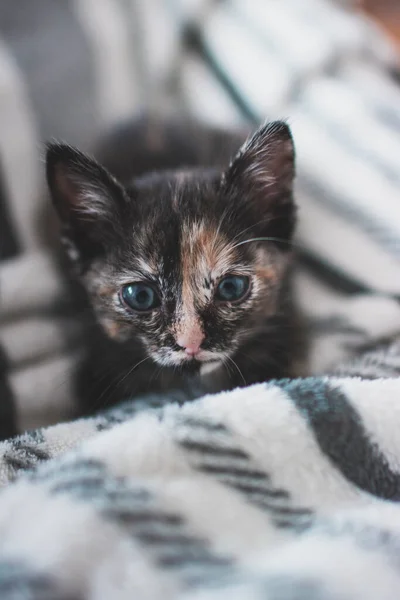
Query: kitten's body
182, 226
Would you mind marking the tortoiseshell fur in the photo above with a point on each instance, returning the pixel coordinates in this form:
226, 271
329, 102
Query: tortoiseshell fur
176, 205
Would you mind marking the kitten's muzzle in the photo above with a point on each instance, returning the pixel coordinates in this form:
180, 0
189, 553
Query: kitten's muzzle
200, 356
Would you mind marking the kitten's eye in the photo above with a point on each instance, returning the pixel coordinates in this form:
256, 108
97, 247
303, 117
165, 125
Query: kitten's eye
232, 288
140, 297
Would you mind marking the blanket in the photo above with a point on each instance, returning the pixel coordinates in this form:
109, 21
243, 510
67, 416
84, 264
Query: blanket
286, 490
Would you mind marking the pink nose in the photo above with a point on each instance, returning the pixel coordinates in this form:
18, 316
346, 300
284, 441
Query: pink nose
190, 346
192, 350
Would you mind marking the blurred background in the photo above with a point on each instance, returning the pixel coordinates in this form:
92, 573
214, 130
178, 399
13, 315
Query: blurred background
71, 69
387, 13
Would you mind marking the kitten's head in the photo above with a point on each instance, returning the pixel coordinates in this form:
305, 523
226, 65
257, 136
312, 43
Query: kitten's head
188, 262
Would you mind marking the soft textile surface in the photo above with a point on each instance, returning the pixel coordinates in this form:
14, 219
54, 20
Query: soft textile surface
287, 490
283, 491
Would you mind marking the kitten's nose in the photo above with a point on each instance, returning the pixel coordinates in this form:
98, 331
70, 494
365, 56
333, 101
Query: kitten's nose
190, 344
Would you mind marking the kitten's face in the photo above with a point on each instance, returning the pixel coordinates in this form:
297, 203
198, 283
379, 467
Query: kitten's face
168, 261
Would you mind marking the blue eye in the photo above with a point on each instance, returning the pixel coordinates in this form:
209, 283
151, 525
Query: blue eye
140, 297
232, 288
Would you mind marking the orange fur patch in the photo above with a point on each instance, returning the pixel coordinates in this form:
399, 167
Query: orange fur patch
105, 291
205, 255
266, 273
113, 328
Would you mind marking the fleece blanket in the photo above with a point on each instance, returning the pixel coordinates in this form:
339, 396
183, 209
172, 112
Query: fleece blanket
287, 490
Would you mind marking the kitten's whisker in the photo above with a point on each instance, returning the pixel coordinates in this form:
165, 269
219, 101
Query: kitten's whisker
226, 365
262, 222
235, 365
118, 382
266, 239
252, 226
133, 368
106, 372
155, 375
222, 219
103, 394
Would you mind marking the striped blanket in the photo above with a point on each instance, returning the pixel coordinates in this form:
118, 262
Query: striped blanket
287, 490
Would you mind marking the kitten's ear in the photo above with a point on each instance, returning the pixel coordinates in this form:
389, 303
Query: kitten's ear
261, 176
88, 200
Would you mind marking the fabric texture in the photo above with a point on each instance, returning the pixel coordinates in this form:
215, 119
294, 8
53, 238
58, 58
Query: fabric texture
287, 490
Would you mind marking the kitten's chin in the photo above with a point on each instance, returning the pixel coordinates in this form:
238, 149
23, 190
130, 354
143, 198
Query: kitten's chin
210, 366
194, 366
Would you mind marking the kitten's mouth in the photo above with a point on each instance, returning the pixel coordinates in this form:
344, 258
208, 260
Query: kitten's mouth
191, 362
202, 357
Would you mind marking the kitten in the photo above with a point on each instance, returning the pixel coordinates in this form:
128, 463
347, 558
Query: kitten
183, 250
